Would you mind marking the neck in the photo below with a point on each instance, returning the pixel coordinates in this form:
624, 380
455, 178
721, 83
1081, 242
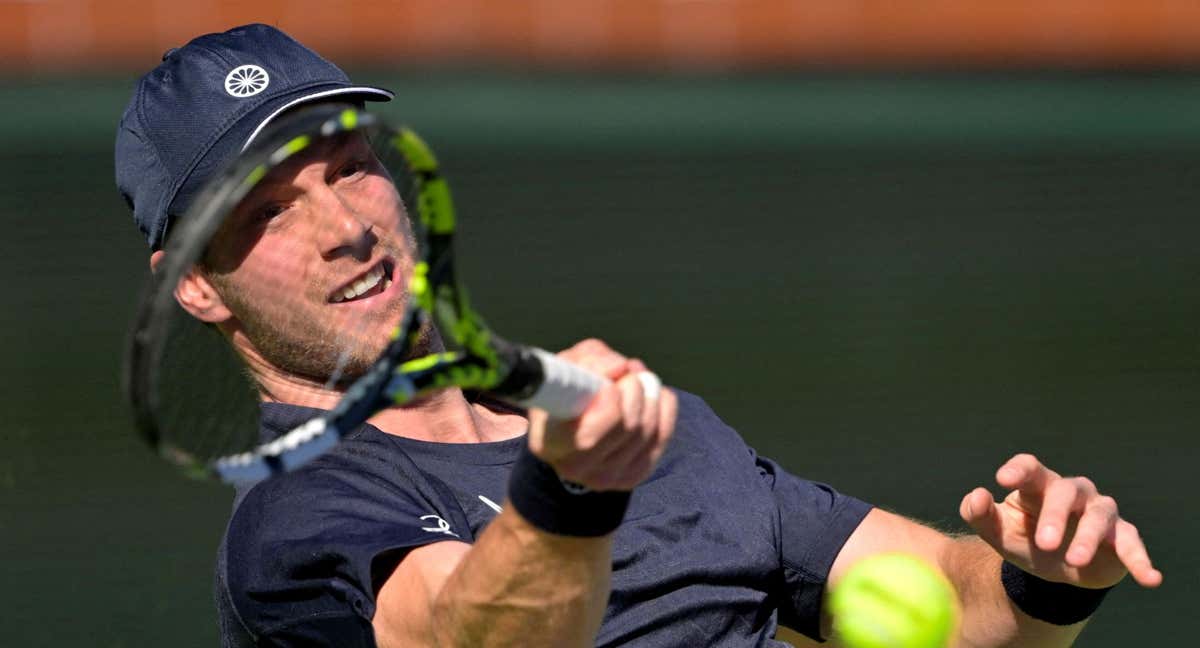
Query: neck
447, 417
442, 417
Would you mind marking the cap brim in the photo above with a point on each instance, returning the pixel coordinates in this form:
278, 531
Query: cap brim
366, 92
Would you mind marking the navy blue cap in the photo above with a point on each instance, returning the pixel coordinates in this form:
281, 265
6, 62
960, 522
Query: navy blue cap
204, 104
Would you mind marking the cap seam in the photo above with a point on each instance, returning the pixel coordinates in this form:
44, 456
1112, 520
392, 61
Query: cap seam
160, 229
216, 54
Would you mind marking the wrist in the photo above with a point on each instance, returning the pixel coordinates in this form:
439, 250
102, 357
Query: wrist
562, 508
1056, 603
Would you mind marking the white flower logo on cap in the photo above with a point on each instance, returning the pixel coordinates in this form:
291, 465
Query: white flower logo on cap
246, 81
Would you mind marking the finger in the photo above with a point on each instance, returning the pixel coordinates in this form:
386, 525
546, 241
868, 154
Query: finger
1061, 499
608, 454
633, 401
668, 414
593, 461
1026, 474
625, 465
636, 458
635, 365
571, 446
1097, 523
1127, 542
630, 465
651, 395
650, 383
979, 511
598, 357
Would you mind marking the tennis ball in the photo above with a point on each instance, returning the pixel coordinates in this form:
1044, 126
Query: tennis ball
894, 600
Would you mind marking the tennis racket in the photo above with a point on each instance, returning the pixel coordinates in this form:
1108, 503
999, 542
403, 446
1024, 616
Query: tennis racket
318, 271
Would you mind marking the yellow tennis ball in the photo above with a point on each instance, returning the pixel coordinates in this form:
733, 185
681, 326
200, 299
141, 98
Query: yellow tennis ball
894, 600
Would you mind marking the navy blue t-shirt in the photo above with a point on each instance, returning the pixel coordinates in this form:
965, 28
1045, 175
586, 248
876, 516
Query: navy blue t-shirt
717, 548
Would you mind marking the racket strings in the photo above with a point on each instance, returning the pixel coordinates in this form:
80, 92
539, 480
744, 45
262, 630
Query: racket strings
203, 389
314, 300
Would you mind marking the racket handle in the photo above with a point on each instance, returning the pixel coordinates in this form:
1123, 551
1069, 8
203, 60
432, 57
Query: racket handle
566, 388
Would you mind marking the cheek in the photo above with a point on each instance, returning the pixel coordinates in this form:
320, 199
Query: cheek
274, 279
382, 205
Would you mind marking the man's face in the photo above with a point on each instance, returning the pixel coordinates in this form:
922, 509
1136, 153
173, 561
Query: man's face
313, 264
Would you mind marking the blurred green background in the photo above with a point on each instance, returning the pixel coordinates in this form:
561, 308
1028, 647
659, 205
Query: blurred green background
890, 282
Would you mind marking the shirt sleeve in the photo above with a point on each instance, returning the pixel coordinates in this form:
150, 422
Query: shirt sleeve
815, 522
306, 552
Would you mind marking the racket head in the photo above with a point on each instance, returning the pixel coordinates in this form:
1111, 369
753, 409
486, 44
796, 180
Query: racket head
289, 279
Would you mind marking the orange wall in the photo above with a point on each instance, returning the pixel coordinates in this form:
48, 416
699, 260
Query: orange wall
97, 34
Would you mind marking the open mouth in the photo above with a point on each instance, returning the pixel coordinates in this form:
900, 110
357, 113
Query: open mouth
370, 283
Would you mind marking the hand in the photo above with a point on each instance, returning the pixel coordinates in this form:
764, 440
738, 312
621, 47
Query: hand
617, 441
1058, 528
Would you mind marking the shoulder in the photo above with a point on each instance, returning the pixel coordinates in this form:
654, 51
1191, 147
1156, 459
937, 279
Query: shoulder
321, 538
694, 407
701, 430
360, 467
698, 426
705, 452
364, 481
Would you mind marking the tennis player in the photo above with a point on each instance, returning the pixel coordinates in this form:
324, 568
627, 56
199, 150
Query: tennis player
449, 523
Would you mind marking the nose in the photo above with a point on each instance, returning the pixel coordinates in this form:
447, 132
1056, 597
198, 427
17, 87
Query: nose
341, 230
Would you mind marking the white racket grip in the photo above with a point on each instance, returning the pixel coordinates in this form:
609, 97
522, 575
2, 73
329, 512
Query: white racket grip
567, 388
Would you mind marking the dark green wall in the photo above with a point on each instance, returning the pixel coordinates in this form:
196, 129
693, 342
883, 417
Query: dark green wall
888, 283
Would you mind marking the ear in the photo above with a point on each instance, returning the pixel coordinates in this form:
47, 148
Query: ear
196, 294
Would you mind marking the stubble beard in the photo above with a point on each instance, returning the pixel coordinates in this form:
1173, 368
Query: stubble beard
306, 346
329, 357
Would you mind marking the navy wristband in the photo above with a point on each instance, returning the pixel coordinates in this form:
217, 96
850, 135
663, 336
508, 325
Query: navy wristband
543, 499
1057, 603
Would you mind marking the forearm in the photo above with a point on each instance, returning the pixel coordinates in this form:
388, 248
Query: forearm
989, 617
540, 573
521, 586
1061, 528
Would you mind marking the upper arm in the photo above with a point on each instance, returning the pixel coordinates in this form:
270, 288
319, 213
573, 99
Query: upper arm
404, 603
879, 532
883, 531
815, 521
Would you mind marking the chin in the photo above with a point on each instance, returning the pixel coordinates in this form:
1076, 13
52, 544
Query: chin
428, 342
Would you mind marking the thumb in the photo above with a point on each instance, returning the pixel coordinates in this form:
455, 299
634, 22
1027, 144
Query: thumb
979, 510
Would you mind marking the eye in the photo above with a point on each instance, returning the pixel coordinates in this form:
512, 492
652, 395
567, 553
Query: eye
351, 169
269, 212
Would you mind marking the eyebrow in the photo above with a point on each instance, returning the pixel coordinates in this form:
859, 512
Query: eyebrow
325, 147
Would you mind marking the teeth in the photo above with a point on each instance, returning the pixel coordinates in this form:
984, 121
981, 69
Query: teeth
361, 286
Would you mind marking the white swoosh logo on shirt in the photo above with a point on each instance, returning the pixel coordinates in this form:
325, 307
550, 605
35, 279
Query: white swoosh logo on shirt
492, 505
